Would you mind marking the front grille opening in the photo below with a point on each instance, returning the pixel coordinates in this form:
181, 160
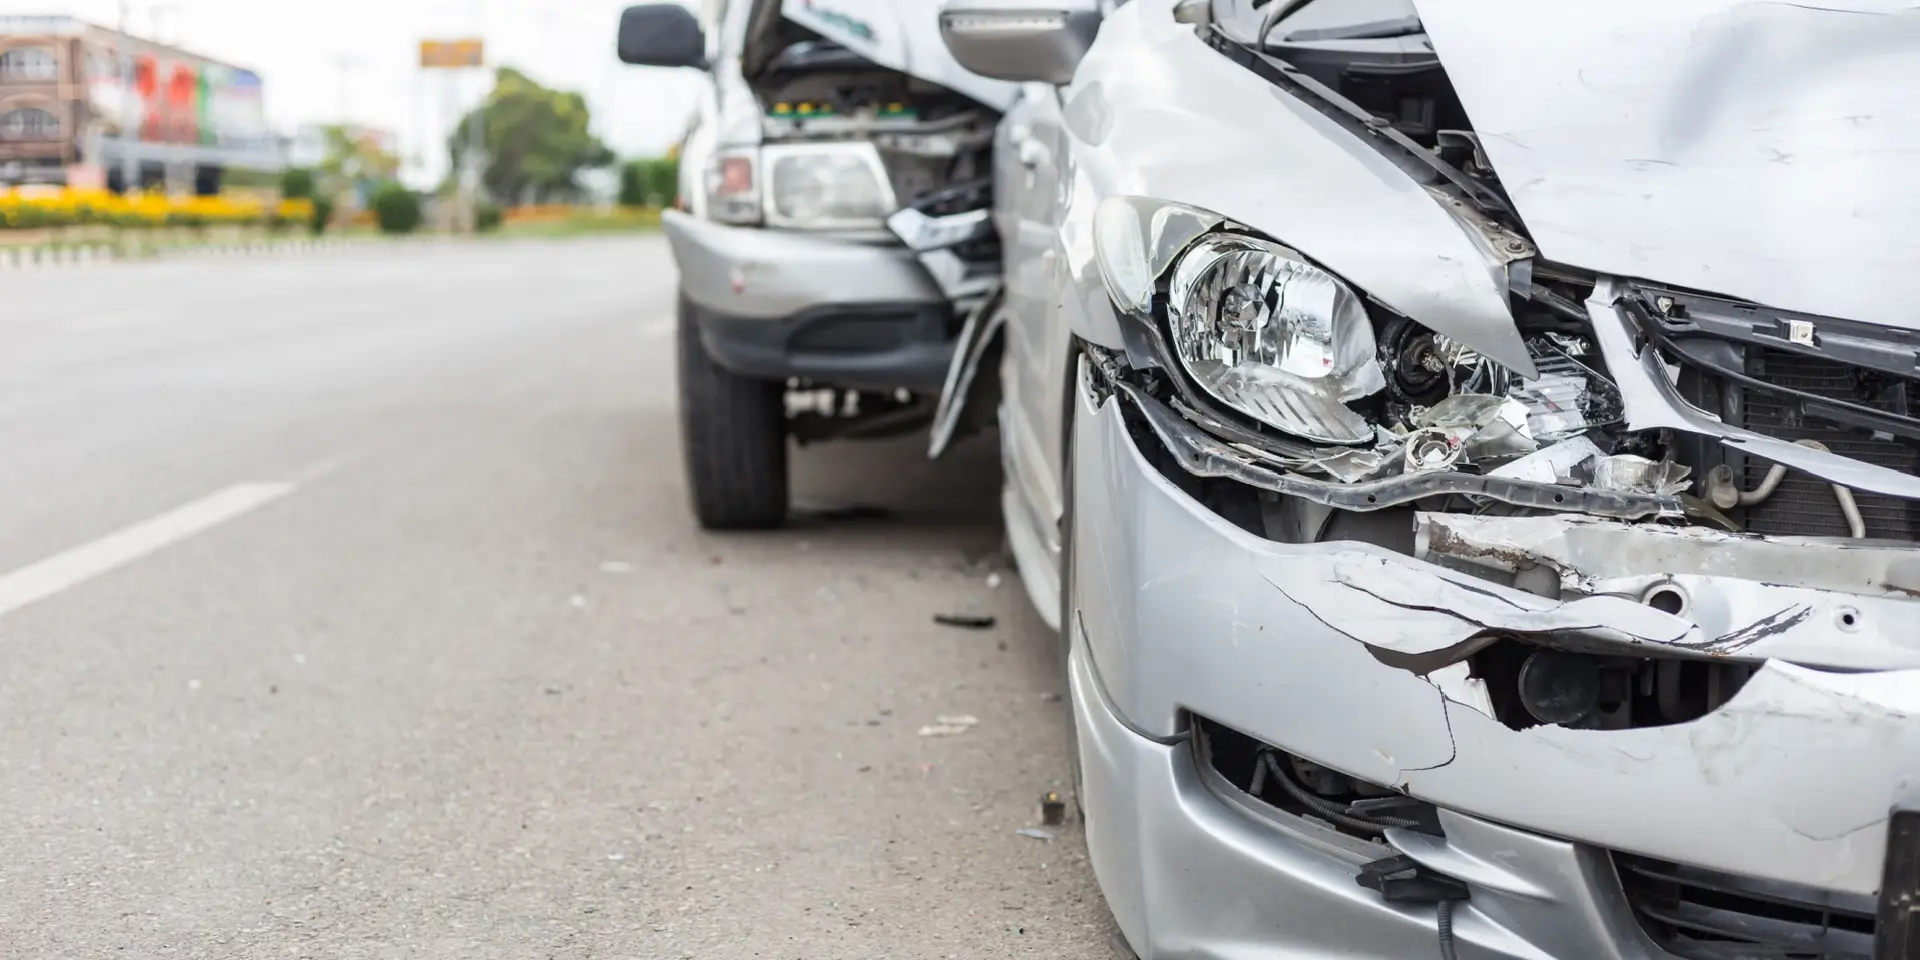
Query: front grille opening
1709, 915
1305, 789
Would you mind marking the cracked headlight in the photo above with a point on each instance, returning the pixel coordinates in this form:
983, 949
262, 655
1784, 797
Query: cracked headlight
826, 185
1273, 337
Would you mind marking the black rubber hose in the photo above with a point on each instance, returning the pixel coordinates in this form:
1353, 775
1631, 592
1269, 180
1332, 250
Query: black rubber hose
1320, 805
1444, 913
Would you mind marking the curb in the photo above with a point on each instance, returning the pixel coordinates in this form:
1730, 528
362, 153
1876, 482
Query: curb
29, 258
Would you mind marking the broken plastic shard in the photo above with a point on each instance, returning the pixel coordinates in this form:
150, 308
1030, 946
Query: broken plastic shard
1630, 474
1564, 461
1490, 427
1432, 448
1553, 405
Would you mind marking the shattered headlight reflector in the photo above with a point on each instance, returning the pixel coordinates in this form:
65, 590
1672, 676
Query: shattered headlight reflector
1274, 337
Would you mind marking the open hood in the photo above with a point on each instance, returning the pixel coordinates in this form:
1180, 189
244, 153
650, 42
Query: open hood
1760, 150
901, 35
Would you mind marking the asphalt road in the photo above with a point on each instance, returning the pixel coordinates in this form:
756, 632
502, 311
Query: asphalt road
350, 607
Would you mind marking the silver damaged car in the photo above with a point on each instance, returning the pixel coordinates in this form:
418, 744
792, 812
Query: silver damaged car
1468, 448
835, 230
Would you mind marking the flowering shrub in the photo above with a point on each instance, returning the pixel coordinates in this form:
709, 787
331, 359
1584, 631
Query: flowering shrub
29, 207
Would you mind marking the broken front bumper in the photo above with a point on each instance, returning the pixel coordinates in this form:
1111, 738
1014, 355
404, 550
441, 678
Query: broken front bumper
1180, 614
778, 304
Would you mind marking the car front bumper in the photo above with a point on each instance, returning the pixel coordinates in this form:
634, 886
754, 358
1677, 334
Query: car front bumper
780, 304
1182, 614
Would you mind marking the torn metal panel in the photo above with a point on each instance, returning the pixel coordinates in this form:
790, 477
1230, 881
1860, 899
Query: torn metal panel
1203, 455
958, 396
1653, 402
1848, 606
1410, 607
1186, 613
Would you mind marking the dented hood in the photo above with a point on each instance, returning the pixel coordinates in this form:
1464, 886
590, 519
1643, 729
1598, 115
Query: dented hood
1764, 151
902, 35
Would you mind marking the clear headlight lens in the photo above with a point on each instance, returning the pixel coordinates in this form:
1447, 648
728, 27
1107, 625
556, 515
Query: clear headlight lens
826, 185
1274, 337
733, 187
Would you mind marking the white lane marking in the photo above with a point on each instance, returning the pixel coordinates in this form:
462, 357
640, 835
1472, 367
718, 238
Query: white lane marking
61, 571
657, 329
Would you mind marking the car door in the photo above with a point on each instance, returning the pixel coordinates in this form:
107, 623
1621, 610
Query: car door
1027, 198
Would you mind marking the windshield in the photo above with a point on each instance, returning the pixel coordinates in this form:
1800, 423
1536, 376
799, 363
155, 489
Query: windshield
1320, 20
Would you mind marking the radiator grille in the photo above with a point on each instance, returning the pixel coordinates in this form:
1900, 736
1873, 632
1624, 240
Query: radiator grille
1804, 506
1708, 915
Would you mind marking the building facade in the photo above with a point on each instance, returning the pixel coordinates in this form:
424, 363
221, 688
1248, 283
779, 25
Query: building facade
84, 105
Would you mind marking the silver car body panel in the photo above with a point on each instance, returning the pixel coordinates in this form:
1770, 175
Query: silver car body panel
1757, 150
1135, 130
752, 272
901, 35
1183, 611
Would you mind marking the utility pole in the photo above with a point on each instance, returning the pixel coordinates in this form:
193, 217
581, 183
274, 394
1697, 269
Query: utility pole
471, 177
346, 64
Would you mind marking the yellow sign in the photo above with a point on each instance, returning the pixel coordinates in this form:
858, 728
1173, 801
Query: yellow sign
452, 54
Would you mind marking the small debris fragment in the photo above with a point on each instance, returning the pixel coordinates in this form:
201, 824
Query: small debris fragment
550, 691
616, 856
1051, 696
827, 594
925, 768
1036, 833
579, 602
993, 581
300, 659
949, 726
965, 621
193, 684
1053, 810
615, 566
715, 560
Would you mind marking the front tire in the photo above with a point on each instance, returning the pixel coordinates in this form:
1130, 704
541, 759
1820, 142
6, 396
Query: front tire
733, 438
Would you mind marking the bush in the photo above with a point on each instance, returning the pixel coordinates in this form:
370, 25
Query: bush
633, 184
652, 182
296, 183
395, 208
488, 216
322, 215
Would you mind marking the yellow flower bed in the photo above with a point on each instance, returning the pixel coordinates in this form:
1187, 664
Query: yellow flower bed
30, 207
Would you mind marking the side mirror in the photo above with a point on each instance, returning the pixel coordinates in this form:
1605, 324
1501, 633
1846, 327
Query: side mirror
1019, 43
662, 35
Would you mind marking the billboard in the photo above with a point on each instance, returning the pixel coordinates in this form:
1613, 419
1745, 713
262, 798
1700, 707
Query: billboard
178, 99
451, 54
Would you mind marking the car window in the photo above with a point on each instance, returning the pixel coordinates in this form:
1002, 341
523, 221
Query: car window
1317, 20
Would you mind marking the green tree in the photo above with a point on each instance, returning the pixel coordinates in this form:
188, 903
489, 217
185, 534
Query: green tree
534, 140
633, 184
354, 158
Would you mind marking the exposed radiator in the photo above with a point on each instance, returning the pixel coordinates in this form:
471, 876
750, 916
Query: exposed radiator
1804, 506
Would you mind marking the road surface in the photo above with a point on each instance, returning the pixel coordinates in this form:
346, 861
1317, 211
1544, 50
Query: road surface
350, 607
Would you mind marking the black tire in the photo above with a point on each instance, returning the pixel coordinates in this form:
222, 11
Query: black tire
733, 437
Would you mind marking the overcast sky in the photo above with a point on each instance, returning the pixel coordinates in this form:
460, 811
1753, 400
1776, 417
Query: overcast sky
299, 46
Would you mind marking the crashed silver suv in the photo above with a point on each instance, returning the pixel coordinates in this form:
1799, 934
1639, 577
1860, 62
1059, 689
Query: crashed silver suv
1469, 448
835, 236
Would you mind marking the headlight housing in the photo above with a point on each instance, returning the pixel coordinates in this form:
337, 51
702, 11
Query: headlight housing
733, 185
1274, 337
825, 186
1252, 322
